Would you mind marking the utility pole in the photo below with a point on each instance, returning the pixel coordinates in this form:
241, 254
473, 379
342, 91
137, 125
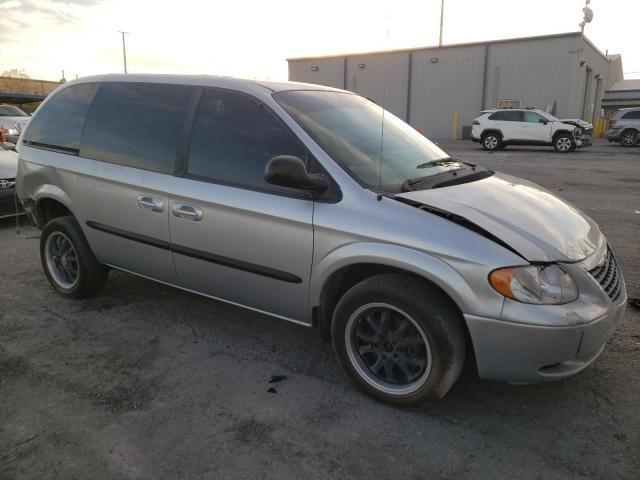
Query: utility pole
124, 50
441, 21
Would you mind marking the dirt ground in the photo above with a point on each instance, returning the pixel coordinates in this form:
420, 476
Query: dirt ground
148, 382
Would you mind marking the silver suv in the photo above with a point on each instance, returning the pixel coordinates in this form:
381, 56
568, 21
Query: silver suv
624, 127
285, 199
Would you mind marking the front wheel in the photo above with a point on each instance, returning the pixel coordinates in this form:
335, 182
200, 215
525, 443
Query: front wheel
68, 261
400, 340
491, 142
564, 143
629, 138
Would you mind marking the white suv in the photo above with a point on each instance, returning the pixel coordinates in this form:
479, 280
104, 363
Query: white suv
495, 129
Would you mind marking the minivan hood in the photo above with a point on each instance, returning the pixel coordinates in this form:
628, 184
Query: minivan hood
533, 221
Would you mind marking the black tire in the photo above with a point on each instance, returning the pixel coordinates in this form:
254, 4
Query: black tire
629, 138
564, 143
90, 275
491, 141
438, 319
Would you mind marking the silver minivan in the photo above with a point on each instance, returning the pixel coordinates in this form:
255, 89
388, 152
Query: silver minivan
315, 206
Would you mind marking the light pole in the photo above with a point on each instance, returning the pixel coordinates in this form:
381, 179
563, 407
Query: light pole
124, 50
441, 21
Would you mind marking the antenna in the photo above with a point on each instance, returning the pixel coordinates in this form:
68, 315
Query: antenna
588, 15
384, 98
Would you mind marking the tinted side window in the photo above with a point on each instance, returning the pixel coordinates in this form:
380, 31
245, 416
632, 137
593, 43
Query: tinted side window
531, 117
136, 124
632, 116
58, 123
233, 139
507, 116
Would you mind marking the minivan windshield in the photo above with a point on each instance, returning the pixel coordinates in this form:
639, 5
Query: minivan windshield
11, 111
350, 129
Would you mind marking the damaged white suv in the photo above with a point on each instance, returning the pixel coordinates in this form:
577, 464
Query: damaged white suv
495, 129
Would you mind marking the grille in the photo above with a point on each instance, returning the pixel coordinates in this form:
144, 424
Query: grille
8, 198
608, 276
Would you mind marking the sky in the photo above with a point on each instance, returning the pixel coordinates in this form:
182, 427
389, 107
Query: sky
254, 38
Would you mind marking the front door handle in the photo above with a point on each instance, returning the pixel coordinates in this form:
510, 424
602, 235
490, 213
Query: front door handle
187, 212
150, 203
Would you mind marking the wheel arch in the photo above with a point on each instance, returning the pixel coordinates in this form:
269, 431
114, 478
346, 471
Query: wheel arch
560, 132
351, 264
487, 131
627, 129
51, 202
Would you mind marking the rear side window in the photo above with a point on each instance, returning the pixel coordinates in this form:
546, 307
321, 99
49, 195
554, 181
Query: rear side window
136, 124
58, 123
507, 116
632, 115
531, 117
233, 139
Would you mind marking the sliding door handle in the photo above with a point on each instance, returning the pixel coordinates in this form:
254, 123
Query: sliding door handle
150, 203
187, 212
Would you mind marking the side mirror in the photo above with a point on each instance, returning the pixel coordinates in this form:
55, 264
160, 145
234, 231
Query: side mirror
544, 122
289, 171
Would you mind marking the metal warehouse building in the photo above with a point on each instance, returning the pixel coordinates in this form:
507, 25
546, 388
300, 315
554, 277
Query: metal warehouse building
439, 90
624, 94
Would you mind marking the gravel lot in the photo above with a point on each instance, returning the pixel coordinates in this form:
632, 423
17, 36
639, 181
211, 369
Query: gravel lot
149, 382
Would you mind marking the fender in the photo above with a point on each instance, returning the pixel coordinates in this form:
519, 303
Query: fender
47, 192
492, 130
54, 193
562, 130
424, 265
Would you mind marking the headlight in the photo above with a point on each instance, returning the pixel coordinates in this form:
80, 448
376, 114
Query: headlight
13, 131
537, 284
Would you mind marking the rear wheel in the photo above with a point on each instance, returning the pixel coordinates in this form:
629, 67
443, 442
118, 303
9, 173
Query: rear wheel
68, 261
491, 141
629, 138
563, 143
400, 340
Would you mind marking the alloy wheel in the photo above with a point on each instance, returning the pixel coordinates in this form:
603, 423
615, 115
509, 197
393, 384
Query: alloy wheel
62, 260
491, 143
563, 144
629, 138
388, 349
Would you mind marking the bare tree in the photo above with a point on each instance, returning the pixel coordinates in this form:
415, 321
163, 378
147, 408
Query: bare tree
15, 73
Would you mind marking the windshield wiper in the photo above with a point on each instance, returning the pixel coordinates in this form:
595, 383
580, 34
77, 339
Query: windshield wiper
468, 173
438, 163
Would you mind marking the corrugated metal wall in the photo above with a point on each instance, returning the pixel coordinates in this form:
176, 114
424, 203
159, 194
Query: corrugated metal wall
326, 71
426, 86
537, 73
445, 81
381, 78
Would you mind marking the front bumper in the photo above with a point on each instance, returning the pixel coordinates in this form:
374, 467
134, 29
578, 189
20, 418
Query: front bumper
524, 353
587, 140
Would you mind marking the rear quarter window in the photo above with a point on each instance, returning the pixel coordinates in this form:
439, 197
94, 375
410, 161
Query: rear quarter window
136, 124
632, 115
58, 122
